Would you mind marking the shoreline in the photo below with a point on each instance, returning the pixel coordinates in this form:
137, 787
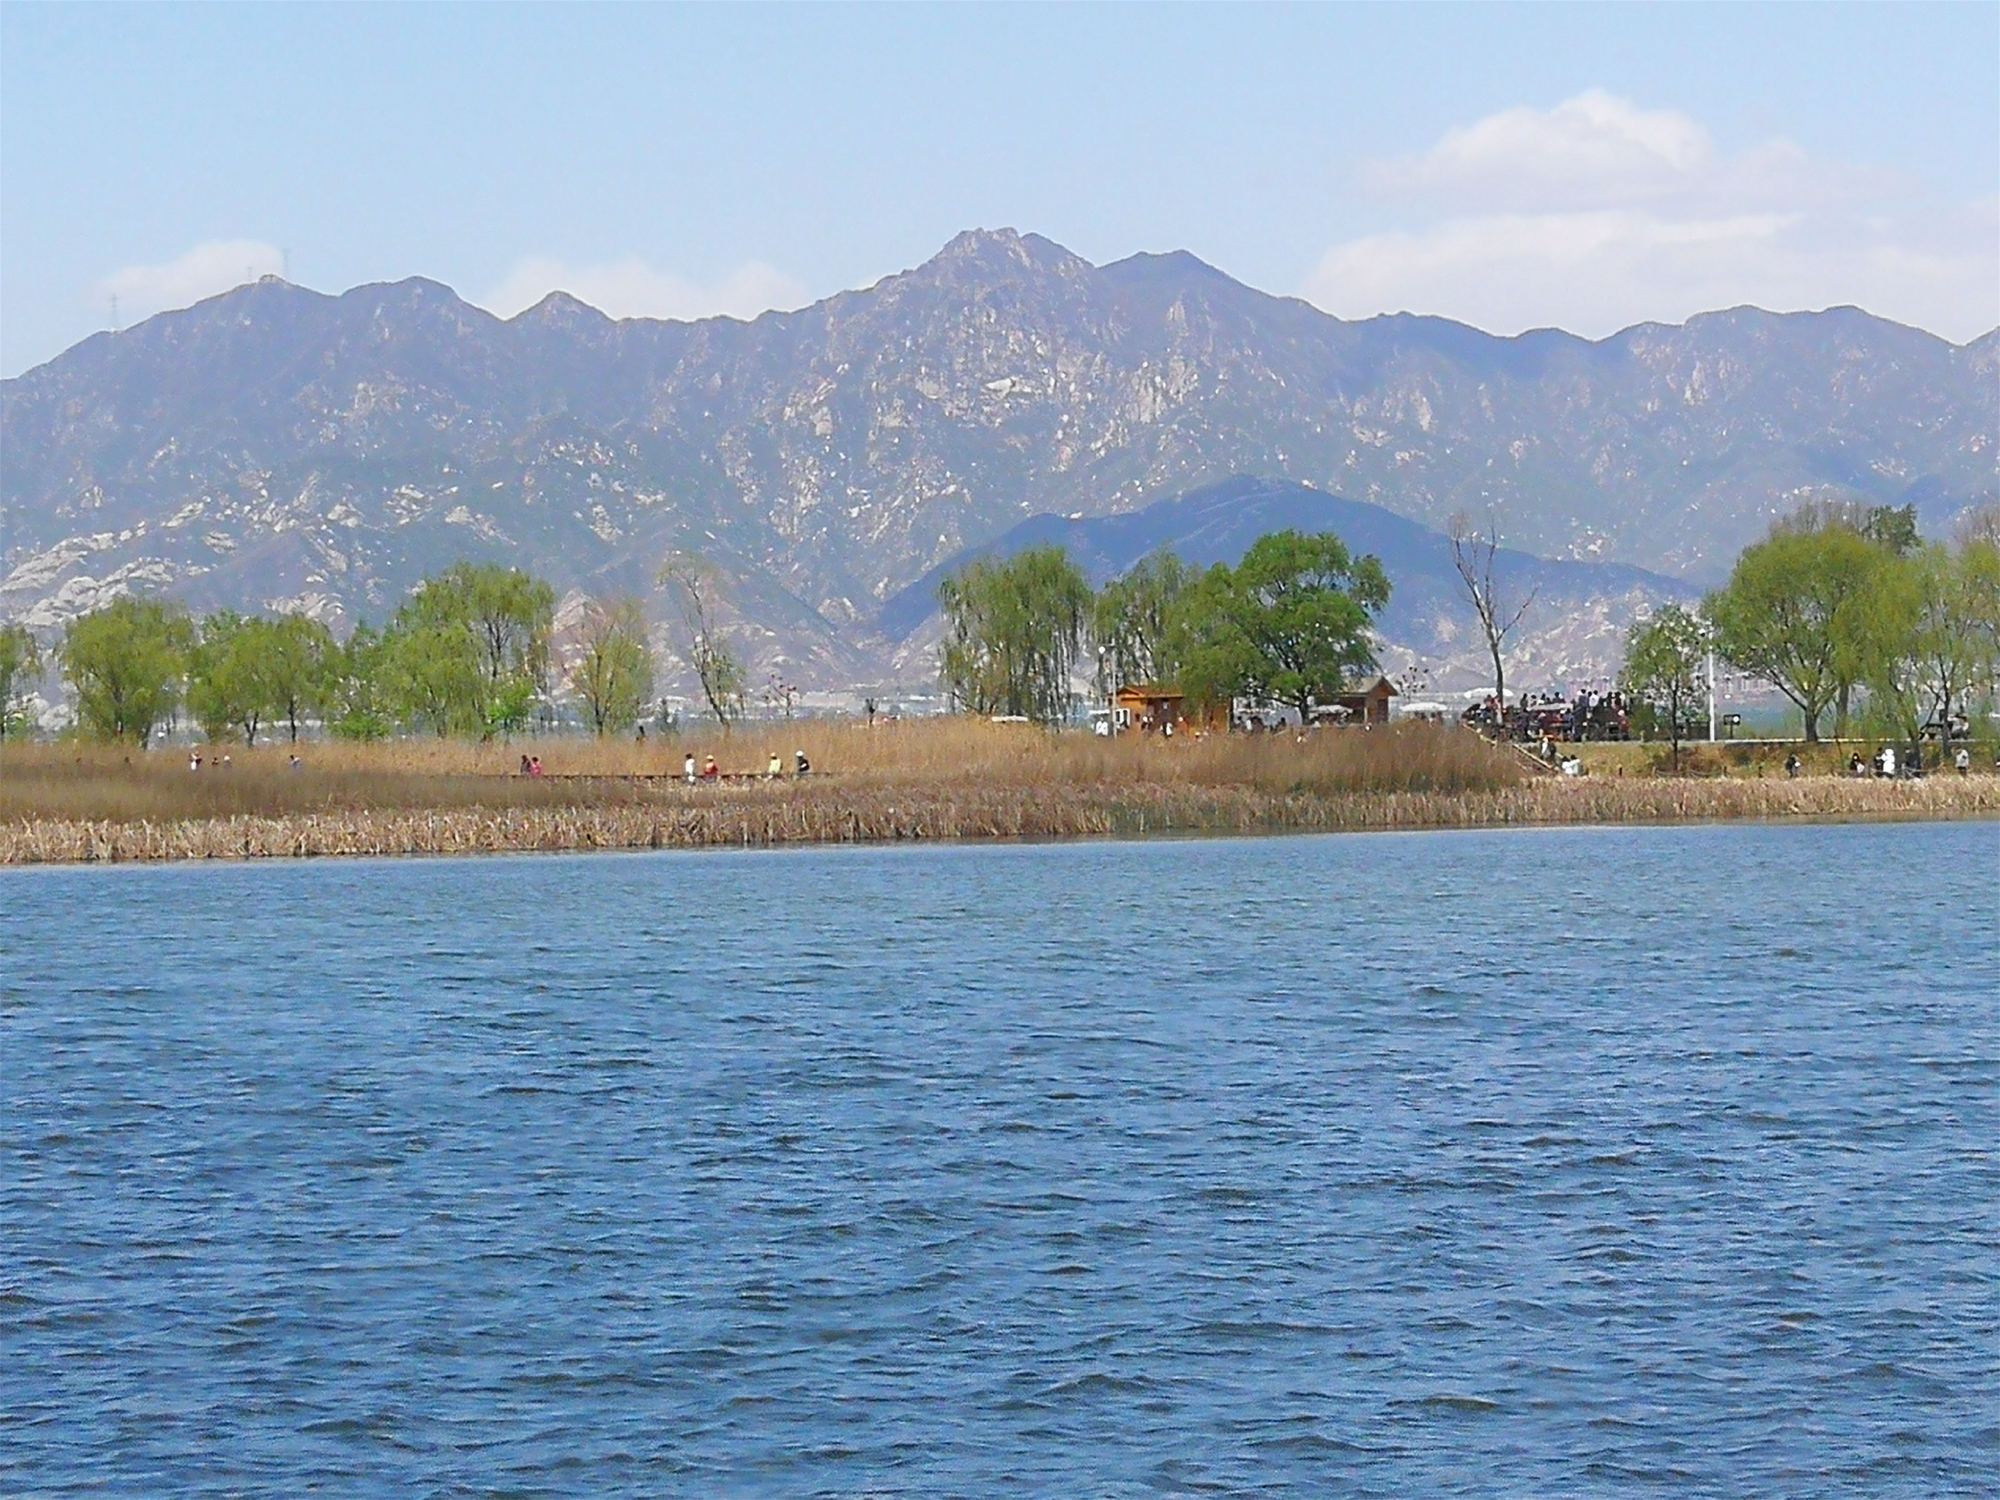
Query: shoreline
810, 816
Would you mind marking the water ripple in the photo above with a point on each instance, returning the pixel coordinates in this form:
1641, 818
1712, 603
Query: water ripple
1565, 1163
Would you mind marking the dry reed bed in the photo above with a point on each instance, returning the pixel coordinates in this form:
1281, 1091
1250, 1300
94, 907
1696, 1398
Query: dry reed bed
829, 813
967, 758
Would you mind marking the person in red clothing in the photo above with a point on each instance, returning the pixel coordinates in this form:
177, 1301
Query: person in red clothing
710, 771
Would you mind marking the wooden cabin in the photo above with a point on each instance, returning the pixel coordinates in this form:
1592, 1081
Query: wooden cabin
1147, 707
1367, 705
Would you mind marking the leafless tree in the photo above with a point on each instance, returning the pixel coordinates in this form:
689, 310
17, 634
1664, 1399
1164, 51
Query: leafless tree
715, 664
1473, 553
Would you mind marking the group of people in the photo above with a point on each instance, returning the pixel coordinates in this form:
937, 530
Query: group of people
774, 769
1883, 763
1555, 715
222, 762
693, 774
1569, 765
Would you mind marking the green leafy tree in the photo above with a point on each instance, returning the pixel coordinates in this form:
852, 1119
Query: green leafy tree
1665, 669
1890, 527
20, 660
1014, 633
1979, 549
432, 676
614, 674
1932, 649
358, 700
229, 676
1290, 623
125, 663
302, 658
509, 613
720, 671
1135, 622
468, 652
1796, 613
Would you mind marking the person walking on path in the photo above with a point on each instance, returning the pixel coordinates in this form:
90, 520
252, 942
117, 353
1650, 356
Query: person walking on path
687, 768
1963, 760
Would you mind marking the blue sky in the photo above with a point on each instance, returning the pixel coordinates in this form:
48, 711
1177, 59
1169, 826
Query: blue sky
1584, 166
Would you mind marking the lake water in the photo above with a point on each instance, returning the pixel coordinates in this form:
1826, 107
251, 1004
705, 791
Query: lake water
1569, 1162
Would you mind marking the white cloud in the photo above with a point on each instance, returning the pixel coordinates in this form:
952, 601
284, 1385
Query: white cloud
1594, 139
1597, 214
630, 288
211, 267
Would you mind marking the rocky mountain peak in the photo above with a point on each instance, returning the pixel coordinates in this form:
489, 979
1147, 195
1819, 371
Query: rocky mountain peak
560, 309
274, 443
1003, 252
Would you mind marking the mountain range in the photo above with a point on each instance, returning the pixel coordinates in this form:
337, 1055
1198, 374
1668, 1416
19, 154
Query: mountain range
274, 446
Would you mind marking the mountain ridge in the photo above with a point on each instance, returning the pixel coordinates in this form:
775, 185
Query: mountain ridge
1184, 258
276, 444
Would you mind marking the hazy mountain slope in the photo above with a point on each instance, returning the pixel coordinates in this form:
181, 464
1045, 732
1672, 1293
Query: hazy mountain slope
274, 444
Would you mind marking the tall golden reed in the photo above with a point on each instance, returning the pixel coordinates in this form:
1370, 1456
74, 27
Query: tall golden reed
917, 780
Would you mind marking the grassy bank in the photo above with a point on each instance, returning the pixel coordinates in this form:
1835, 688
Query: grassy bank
949, 780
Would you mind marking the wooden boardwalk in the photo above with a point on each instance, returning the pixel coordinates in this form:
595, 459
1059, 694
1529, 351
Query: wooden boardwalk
664, 778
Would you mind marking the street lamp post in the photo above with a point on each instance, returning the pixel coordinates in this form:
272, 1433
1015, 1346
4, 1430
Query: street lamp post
1711, 689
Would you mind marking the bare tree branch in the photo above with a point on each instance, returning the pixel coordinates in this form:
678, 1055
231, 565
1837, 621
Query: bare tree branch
716, 665
1473, 555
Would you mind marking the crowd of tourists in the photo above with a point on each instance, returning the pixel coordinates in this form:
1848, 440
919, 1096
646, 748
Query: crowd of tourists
1555, 715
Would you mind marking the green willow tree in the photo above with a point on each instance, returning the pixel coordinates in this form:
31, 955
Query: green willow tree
1291, 623
1666, 669
1136, 622
358, 703
126, 663
302, 660
1933, 650
431, 677
468, 652
229, 676
1796, 613
614, 674
1014, 632
1892, 529
20, 661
